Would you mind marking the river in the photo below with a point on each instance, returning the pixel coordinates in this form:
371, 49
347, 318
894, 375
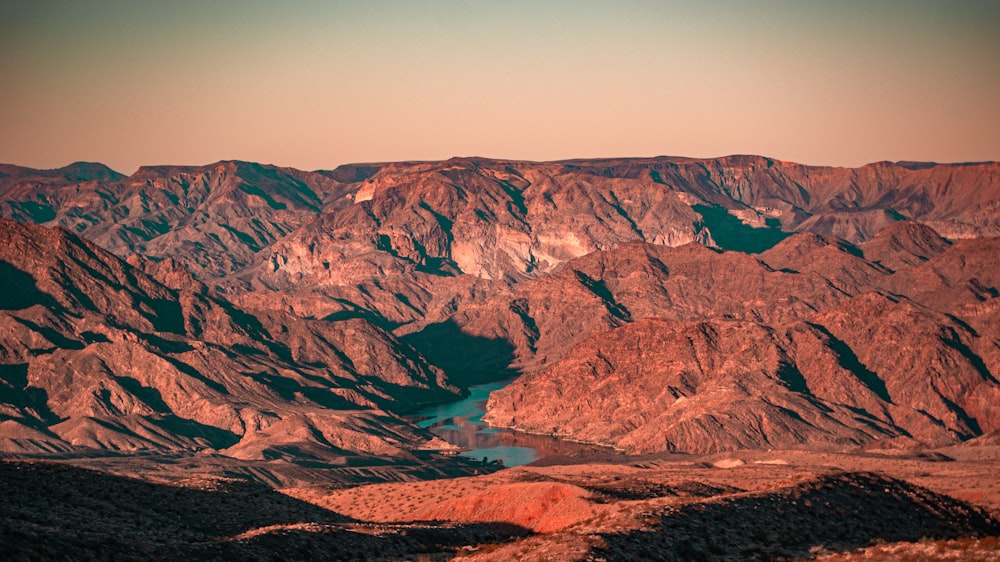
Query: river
460, 423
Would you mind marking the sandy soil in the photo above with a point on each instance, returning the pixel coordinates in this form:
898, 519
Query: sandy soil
615, 510
895, 505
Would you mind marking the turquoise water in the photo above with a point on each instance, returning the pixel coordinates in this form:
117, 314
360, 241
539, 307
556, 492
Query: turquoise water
460, 423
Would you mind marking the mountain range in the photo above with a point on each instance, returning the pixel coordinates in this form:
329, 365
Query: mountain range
648, 304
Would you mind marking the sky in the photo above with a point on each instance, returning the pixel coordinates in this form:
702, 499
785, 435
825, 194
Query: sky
313, 85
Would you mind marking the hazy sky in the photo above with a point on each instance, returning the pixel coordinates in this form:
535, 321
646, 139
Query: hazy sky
317, 84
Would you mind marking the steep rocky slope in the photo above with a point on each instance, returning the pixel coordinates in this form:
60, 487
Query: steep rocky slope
215, 218
727, 362
544, 317
96, 354
873, 370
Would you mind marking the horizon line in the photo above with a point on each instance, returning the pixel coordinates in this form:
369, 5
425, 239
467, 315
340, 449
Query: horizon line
903, 163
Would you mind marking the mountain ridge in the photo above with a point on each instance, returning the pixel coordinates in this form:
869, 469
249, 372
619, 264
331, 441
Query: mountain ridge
912, 164
449, 273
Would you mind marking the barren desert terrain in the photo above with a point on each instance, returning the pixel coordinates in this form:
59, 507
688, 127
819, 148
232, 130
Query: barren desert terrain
679, 359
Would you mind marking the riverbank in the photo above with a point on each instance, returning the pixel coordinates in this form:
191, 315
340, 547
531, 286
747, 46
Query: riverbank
460, 423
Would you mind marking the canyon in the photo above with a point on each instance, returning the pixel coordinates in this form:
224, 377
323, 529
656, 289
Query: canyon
278, 326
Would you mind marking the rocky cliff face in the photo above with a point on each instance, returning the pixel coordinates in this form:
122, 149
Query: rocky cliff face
96, 354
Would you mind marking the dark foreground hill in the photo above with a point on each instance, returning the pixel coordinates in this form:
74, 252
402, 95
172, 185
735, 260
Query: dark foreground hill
641, 511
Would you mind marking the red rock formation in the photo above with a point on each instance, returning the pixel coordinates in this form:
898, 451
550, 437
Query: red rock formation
872, 369
96, 354
372, 232
484, 264
215, 218
904, 244
858, 362
511, 220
